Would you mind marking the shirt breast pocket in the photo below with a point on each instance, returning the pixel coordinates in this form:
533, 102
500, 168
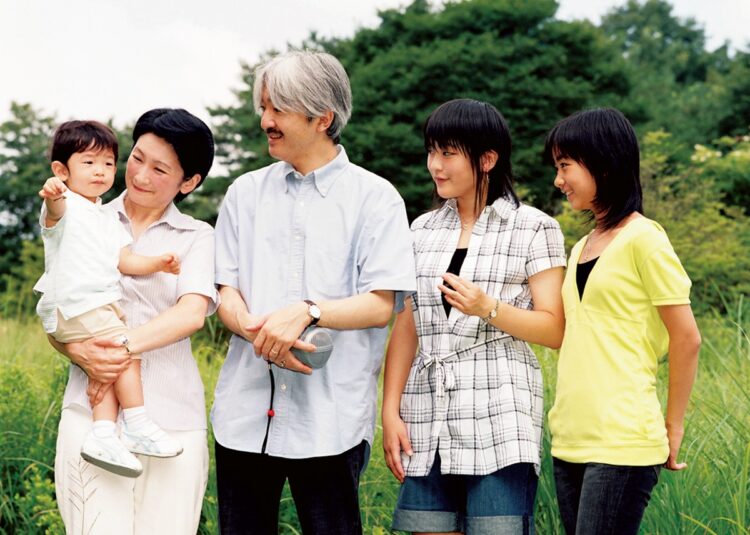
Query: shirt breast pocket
330, 272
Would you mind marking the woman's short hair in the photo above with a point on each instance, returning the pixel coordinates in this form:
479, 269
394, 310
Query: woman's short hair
475, 128
603, 141
190, 138
307, 82
79, 136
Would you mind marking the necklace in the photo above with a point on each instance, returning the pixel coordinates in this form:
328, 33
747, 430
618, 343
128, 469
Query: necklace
590, 244
466, 225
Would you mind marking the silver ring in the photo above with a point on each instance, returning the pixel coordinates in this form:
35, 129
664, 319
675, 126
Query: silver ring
282, 364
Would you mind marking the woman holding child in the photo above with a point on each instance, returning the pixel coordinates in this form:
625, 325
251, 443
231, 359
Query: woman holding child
172, 154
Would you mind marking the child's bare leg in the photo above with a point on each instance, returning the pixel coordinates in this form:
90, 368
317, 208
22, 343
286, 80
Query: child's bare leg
141, 434
106, 409
102, 447
128, 387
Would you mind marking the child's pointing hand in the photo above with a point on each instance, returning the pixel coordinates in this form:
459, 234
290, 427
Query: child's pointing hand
53, 189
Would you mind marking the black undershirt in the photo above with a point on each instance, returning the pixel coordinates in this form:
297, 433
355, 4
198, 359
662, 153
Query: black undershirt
454, 267
583, 270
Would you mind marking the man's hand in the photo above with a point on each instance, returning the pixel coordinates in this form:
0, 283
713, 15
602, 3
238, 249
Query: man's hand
169, 263
53, 189
279, 333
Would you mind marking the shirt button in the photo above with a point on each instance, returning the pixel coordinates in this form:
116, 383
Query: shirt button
283, 387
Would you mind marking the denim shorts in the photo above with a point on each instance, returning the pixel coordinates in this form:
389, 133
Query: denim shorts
493, 504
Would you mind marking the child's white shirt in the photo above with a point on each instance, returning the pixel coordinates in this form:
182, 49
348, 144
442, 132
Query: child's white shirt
81, 255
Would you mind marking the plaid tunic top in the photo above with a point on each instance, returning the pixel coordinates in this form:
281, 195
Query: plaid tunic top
475, 393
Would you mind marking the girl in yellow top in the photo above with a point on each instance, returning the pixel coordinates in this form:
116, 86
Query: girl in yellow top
626, 299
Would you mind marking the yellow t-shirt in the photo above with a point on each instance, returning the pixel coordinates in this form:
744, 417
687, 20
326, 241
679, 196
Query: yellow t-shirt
606, 409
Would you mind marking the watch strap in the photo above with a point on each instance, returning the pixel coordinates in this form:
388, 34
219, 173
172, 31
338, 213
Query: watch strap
310, 304
492, 313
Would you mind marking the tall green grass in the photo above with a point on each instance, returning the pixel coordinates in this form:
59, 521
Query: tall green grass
711, 497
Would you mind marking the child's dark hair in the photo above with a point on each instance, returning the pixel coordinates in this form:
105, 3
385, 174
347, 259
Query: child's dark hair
190, 138
604, 142
79, 136
474, 128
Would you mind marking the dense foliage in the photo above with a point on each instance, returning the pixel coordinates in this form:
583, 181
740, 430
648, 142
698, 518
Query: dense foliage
516, 54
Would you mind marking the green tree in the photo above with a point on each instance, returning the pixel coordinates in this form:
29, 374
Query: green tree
515, 54
678, 85
512, 53
24, 142
711, 238
736, 118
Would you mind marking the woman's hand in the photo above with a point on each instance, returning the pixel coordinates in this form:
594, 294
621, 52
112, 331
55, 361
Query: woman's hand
674, 435
466, 296
103, 359
395, 440
96, 390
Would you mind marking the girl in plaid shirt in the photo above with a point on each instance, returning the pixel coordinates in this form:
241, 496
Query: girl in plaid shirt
462, 406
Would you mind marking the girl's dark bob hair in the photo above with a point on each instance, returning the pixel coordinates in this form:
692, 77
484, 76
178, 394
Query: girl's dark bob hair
474, 128
603, 141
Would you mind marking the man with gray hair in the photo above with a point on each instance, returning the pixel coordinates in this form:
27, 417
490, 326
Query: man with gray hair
312, 240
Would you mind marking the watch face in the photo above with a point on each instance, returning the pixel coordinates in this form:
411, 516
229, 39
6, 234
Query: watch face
314, 311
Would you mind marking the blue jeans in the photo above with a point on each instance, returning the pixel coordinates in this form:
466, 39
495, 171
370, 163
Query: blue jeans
493, 504
603, 499
325, 491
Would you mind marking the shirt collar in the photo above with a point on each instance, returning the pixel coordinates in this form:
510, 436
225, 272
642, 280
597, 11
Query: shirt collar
502, 207
324, 176
171, 216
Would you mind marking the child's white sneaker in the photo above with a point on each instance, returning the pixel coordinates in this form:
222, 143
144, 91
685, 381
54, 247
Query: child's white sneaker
109, 453
150, 439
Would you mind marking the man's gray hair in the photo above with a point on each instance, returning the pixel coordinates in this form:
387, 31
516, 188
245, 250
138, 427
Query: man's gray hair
307, 82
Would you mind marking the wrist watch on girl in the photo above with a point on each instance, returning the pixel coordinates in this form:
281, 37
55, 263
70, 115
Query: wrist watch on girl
492, 313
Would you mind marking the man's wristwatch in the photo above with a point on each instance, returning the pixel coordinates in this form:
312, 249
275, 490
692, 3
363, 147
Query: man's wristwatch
313, 311
493, 313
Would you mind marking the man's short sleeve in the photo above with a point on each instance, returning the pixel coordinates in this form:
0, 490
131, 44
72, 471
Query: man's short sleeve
385, 258
227, 241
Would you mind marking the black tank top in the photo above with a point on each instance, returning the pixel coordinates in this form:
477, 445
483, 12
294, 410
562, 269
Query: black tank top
583, 271
454, 267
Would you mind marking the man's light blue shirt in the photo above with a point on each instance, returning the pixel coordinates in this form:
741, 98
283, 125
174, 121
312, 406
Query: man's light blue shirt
281, 238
